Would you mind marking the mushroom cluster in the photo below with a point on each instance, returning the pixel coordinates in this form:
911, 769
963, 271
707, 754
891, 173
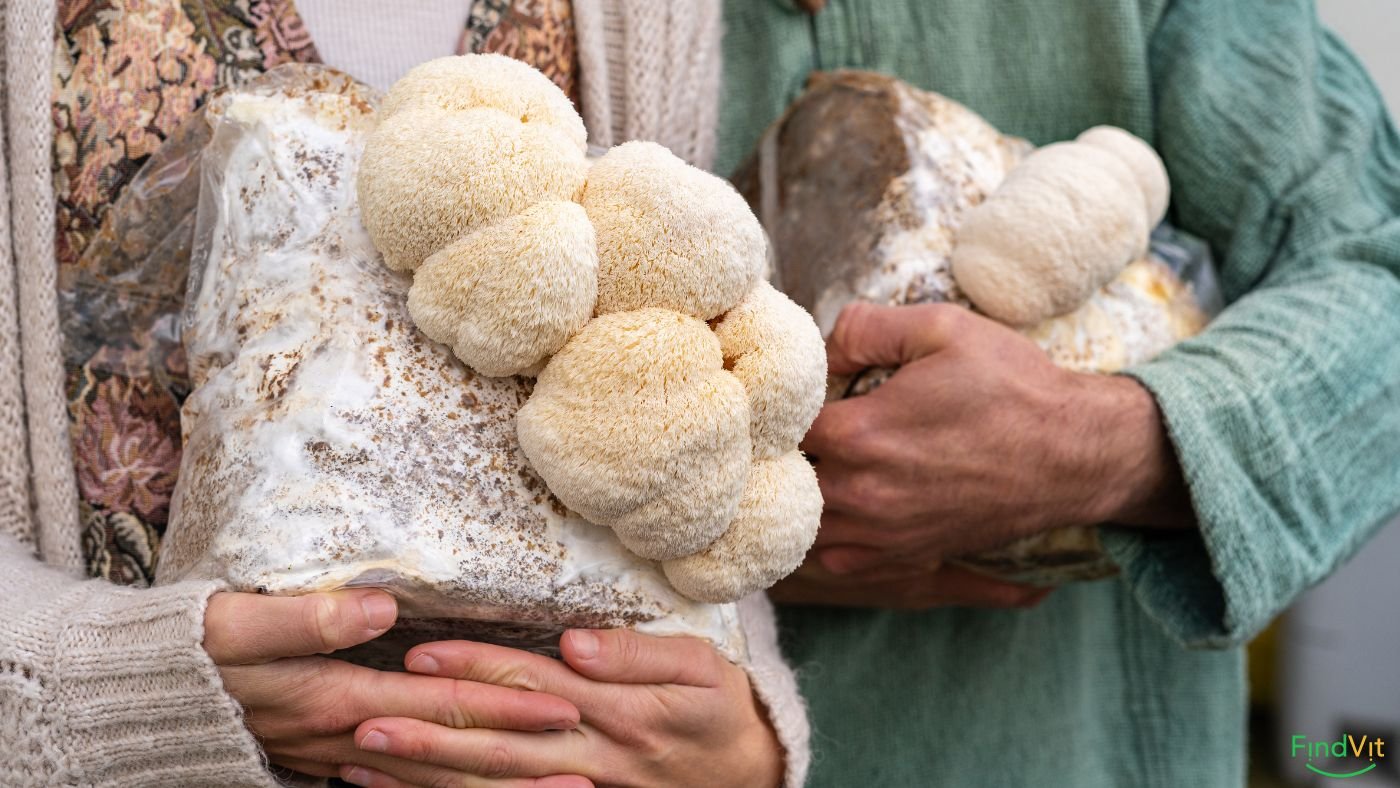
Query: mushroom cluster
1066, 221
674, 384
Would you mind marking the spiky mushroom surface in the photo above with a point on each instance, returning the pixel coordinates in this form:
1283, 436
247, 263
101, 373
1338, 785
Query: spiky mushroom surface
508, 296
636, 425
644, 419
776, 525
428, 177
454, 84
775, 349
669, 235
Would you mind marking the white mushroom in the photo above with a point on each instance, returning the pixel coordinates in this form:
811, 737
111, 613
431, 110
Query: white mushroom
636, 425
1147, 167
509, 295
428, 177
669, 235
1065, 221
776, 525
775, 349
486, 81
636, 421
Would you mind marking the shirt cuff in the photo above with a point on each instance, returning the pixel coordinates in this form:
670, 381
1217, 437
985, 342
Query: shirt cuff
775, 685
142, 703
1204, 586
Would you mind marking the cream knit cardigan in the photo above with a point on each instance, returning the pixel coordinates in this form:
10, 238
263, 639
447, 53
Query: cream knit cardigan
102, 685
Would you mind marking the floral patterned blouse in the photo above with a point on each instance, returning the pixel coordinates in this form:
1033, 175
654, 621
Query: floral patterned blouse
126, 74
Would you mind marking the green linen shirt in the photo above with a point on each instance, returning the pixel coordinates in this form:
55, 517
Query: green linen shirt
1285, 413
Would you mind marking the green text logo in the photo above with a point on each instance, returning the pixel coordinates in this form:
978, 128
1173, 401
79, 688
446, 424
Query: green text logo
1350, 746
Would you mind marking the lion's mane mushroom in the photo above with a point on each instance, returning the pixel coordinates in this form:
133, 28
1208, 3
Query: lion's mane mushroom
777, 523
669, 235
679, 435
428, 177
1147, 167
775, 349
497, 82
507, 296
463, 141
1065, 221
636, 425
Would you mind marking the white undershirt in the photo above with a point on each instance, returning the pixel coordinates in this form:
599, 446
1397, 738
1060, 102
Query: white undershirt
377, 41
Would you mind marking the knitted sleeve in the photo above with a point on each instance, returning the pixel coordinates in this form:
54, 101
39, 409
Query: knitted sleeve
108, 686
776, 686
1285, 412
650, 71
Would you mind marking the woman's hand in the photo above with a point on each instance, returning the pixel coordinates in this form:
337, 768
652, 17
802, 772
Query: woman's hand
655, 711
303, 708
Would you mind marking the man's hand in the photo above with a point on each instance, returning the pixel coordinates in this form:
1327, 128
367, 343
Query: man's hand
303, 707
656, 711
976, 441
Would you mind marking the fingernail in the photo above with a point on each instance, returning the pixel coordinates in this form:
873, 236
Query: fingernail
374, 741
357, 776
585, 644
380, 611
563, 725
423, 662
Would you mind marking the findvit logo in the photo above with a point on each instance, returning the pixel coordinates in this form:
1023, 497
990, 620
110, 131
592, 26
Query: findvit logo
1362, 748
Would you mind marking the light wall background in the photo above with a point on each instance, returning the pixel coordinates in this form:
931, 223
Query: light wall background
1337, 665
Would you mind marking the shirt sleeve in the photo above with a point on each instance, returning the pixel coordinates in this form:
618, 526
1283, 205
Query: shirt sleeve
108, 686
775, 685
1285, 412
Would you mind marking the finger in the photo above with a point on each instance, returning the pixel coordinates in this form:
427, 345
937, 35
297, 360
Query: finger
310, 768
330, 756
478, 751
891, 568
841, 433
803, 588
320, 756
498, 665
242, 629
870, 335
364, 776
843, 530
959, 587
869, 563
509, 667
856, 491
330, 696
463, 704
622, 656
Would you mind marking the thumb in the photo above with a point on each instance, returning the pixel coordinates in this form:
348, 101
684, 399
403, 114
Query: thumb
870, 335
622, 656
244, 629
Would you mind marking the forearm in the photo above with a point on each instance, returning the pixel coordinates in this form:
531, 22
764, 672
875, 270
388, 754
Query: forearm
1131, 474
1099, 452
101, 685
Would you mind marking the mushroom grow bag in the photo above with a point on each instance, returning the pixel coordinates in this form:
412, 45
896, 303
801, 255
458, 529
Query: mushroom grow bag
328, 444
861, 185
